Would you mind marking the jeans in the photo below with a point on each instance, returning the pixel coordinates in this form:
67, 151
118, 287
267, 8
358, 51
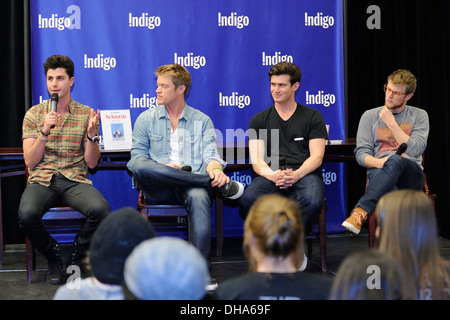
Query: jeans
397, 173
308, 193
162, 184
37, 200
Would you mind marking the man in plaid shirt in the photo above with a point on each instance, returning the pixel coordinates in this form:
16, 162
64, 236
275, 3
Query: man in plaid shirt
58, 149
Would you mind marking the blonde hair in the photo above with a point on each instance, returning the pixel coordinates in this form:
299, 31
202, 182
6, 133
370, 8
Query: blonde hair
408, 232
179, 74
404, 77
275, 225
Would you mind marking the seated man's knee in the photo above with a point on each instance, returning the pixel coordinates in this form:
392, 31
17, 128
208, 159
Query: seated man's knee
28, 217
199, 196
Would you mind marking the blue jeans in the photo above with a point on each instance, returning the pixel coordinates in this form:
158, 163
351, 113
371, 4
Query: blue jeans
397, 173
162, 184
308, 193
37, 200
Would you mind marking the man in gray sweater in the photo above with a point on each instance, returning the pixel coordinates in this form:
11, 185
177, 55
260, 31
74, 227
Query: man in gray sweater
380, 133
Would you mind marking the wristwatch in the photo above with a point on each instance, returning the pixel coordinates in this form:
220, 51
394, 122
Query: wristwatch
94, 139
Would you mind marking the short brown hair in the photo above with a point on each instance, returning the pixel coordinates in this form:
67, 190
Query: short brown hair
404, 77
288, 68
180, 75
59, 61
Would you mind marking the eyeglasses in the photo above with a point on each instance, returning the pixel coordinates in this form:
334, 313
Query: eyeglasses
396, 93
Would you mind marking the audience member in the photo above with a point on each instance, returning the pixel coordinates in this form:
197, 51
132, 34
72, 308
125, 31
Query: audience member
165, 268
273, 245
369, 275
407, 230
112, 243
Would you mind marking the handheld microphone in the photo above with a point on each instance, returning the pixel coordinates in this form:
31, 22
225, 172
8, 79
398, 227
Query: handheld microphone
401, 149
54, 103
186, 168
282, 163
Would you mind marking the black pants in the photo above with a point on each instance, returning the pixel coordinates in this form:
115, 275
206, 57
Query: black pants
37, 200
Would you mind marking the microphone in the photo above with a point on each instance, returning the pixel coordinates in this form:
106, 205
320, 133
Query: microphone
282, 163
401, 149
54, 103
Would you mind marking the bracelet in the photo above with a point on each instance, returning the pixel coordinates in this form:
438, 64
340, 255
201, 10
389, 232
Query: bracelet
42, 139
218, 169
44, 133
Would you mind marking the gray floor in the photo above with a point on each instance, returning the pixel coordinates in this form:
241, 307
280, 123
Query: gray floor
14, 284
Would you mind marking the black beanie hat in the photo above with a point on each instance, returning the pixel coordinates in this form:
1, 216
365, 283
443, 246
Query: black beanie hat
116, 237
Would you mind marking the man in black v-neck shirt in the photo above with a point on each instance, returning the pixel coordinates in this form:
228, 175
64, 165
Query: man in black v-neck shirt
292, 132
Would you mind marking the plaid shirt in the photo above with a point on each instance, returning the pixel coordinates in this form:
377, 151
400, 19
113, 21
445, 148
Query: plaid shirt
64, 151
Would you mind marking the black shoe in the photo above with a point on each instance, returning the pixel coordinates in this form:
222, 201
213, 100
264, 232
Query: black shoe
55, 271
232, 190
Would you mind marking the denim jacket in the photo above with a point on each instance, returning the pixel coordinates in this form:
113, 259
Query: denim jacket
196, 134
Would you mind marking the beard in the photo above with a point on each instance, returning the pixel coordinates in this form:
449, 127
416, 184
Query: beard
392, 105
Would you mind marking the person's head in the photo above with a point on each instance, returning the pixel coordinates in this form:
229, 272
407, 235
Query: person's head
173, 81
273, 228
369, 275
284, 81
59, 71
407, 230
165, 268
115, 238
406, 225
400, 87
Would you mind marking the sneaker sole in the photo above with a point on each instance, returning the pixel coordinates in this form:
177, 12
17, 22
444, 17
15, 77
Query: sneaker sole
304, 263
211, 287
350, 227
238, 194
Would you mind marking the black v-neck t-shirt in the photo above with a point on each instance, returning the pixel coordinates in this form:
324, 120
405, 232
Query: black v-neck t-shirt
290, 138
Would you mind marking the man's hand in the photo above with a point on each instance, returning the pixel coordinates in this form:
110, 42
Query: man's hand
286, 178
387, 116
50, 120
219, 178
94, 119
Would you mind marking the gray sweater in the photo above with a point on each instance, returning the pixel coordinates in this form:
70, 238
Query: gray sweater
375, 138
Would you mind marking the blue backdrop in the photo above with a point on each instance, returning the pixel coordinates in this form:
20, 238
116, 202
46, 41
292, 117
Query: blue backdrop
227, 46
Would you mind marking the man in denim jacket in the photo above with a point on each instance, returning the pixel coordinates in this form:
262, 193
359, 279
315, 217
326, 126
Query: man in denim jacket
171, 138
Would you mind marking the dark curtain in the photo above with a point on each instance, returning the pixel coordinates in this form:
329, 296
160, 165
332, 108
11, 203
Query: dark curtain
12, 86
14, 95
414, 35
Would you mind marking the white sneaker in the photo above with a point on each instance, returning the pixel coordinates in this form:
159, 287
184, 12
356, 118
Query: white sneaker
304, 263
232, 190
212, 285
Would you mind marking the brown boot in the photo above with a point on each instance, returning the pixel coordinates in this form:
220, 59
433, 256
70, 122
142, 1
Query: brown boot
355, 221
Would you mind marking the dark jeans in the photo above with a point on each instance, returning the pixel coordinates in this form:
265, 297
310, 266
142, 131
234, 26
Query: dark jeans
397, 173
37, 200
308, 193
166, 185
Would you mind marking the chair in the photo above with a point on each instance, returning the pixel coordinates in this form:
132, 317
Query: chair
63, 223
372, 221
321, 236
162, 215
174, 217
